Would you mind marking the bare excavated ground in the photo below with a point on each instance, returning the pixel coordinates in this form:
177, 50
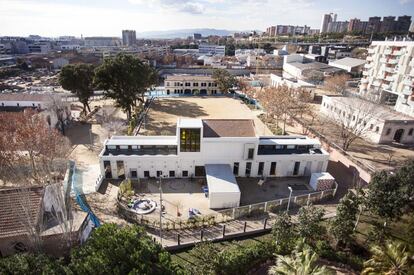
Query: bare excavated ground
164, 112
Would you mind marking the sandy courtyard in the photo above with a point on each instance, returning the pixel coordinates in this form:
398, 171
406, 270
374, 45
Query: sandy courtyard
164, 112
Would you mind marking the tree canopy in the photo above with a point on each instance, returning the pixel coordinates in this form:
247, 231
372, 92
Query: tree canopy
78, 79
224, 80
125, 79
115, 250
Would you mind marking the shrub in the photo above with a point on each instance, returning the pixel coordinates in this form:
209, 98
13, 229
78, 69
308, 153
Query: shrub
126, 189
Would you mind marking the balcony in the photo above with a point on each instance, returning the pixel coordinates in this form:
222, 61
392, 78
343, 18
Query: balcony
376, 83
389, 78
387, 51
370, 58
386, 86
407, 90
397, 53
392, 61
408, 82
371, 50
389, 70
364, 80
383, 60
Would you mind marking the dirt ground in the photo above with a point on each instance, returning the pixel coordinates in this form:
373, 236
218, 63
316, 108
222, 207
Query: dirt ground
376, 156
164, 112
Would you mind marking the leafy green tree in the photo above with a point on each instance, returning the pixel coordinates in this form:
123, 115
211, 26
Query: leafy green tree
406, 176
207, 258
125, 79
346, 215
115, 250
386, 196
310, 225
303, 261
224, 80
393, 258
30, 264
79, 80
284, 234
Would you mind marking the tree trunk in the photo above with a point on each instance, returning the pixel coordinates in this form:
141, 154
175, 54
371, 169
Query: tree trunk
87, 105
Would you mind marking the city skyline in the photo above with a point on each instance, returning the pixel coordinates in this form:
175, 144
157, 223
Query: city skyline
108, 18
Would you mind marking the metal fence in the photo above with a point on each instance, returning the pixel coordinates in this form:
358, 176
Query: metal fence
278, 205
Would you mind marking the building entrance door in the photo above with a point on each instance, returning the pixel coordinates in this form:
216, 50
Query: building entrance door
200, 171
398, 135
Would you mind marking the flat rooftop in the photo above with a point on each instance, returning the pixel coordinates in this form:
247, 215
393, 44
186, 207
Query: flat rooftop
23, 97
228, 128
187, 77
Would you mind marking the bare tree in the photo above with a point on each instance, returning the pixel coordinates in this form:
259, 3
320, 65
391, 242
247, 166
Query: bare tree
30, 152
353, 119
337, 83
60, 110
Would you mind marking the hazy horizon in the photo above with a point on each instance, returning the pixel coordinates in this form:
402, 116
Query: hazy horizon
109, 17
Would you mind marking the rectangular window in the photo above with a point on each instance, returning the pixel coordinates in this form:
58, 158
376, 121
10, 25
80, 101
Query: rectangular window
189, 140
250, 153
296, 168
260, 169
185, 173
146, 174
410, 132
134, 173
273, 168
248, 168
159, 174
172, 174
236, 168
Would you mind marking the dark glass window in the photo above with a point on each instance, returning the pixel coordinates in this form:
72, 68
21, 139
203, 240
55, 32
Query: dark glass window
146, 174
273, 168
248, 168
236, 168
172, 174
159, 173
250, 153
296, 168
185, 173
190, 140
410, 132
260, 169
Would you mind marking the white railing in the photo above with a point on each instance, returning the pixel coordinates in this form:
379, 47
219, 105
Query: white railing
98, 182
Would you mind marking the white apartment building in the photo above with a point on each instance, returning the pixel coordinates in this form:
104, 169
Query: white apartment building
326, 19
191, 85
388, 75
373, 122
211, 49
210, 148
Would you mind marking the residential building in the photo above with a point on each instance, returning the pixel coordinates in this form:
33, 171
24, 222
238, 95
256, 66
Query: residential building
349, 64
403, 23
374, 24
212, 148
356, 25
338, 26
129, 38
271, 31
211, 49
191, 84
100, 41
373, 122
276, 81
388, 24
296, 66
37, 207
389, 75
326, 19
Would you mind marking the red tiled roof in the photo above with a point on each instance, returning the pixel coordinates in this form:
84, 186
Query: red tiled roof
24, 97
17, 207
228, 128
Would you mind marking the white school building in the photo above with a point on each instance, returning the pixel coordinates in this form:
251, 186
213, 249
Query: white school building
217, 149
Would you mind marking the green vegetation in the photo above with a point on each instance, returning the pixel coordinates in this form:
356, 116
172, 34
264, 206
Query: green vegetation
125, 79
78, 79
110, 250
224, 80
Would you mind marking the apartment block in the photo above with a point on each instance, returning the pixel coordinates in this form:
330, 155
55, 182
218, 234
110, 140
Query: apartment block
129, 37
388, 75
211, 49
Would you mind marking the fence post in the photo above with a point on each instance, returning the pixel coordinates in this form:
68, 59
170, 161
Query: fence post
294, 200
178, 239
245, 225
280, 201
234, 213
201, 234
336, 188
322, 194
307, 203
265, 223
265, 208
250, 209
224, 231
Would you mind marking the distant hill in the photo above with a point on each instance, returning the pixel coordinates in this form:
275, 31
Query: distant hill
183, 33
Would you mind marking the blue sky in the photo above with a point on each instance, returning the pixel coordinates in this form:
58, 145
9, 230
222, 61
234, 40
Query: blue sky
109, 17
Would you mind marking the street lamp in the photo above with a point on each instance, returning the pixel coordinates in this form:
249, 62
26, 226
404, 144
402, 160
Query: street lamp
290, 196
160, 181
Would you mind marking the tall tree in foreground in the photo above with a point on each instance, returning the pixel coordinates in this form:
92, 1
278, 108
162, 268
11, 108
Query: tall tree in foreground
30, 152
284, 234
310, 225
79, 80
125, 79
224, 80
115, 250
392, 258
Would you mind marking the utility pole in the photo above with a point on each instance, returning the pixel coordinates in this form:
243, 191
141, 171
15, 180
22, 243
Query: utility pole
290, 196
